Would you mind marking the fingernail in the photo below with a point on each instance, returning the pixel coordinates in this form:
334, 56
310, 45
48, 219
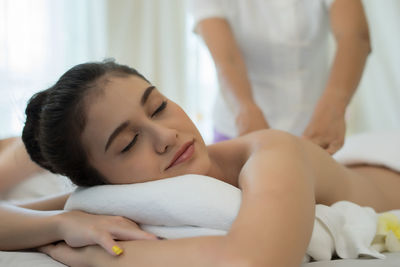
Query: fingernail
160, 238
117, 250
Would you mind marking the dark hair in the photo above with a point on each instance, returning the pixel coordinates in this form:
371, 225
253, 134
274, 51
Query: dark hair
55, 119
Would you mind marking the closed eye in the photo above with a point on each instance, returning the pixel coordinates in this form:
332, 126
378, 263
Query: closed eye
160, 108
129, 146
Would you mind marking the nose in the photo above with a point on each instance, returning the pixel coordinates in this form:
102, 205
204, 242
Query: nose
164, 138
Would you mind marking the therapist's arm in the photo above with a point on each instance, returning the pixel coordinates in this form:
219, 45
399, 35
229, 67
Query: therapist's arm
232, 74
327, 126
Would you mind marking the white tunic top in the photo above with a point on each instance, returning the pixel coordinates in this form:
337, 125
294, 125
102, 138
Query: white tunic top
285, 47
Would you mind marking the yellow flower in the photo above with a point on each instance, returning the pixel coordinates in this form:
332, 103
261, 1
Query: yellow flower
388, 222
388, 233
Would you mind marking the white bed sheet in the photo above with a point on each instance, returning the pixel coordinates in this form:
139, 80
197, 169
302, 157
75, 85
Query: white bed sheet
53, 184
36, 259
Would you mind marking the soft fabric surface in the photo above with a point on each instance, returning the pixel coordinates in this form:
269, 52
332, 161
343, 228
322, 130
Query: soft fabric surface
30, 259
378, 148
38, 186
194, 205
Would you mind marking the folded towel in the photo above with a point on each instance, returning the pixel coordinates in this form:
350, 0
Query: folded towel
190, 200
376, 148
194, 205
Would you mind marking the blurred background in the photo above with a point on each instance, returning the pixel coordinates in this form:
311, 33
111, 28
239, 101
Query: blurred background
41, 39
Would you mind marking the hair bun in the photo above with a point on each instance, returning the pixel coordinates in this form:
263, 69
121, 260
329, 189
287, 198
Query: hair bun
30, 133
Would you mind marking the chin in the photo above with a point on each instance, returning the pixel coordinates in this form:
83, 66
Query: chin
201, 167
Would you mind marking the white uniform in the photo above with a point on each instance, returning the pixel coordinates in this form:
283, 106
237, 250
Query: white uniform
285, 47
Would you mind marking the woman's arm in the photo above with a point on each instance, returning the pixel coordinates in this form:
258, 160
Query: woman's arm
277, 212
275, 219
22, 228
232, 74
350, 29
42, 222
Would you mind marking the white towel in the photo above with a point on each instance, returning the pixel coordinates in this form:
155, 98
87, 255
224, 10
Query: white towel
377, 148
165, 206
194, 205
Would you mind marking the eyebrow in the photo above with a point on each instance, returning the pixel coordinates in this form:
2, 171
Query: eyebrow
146, 94
125, 124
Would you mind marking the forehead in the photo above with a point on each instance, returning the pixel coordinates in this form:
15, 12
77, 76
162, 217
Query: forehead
111, 85
112, 92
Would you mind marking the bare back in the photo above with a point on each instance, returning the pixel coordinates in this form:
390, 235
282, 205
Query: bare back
366, 185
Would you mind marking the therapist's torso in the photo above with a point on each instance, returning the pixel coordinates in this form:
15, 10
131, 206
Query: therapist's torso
285, 47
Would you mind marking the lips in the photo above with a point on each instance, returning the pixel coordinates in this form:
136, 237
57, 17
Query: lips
183, 154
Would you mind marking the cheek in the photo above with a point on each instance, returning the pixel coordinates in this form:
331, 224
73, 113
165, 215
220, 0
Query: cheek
184, 121
140, 169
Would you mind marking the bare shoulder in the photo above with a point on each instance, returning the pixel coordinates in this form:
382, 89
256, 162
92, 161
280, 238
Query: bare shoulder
249, 143
270, 138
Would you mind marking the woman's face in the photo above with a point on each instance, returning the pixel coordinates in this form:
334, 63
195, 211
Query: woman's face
135, 134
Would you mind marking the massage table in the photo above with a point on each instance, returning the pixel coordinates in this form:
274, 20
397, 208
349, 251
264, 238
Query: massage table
35, 259
30, 258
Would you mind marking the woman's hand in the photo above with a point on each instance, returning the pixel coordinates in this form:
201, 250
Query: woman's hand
80, 229
327, 129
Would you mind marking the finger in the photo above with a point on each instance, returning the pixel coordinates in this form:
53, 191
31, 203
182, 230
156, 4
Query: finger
334, 147
130, 233
125, 229
323, 145
106, 241
319, 141
315, 138
309, 134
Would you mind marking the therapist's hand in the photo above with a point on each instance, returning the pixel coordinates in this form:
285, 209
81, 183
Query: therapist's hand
250, 118
80, 229
327, 129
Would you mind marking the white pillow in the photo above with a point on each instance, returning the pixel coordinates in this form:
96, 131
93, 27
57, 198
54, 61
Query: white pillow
195, 205
188, 200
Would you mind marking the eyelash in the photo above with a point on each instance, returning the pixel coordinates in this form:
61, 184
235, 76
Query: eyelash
130, 144
159, 109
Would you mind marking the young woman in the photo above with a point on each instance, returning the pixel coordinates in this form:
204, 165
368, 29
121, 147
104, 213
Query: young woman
103, 123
